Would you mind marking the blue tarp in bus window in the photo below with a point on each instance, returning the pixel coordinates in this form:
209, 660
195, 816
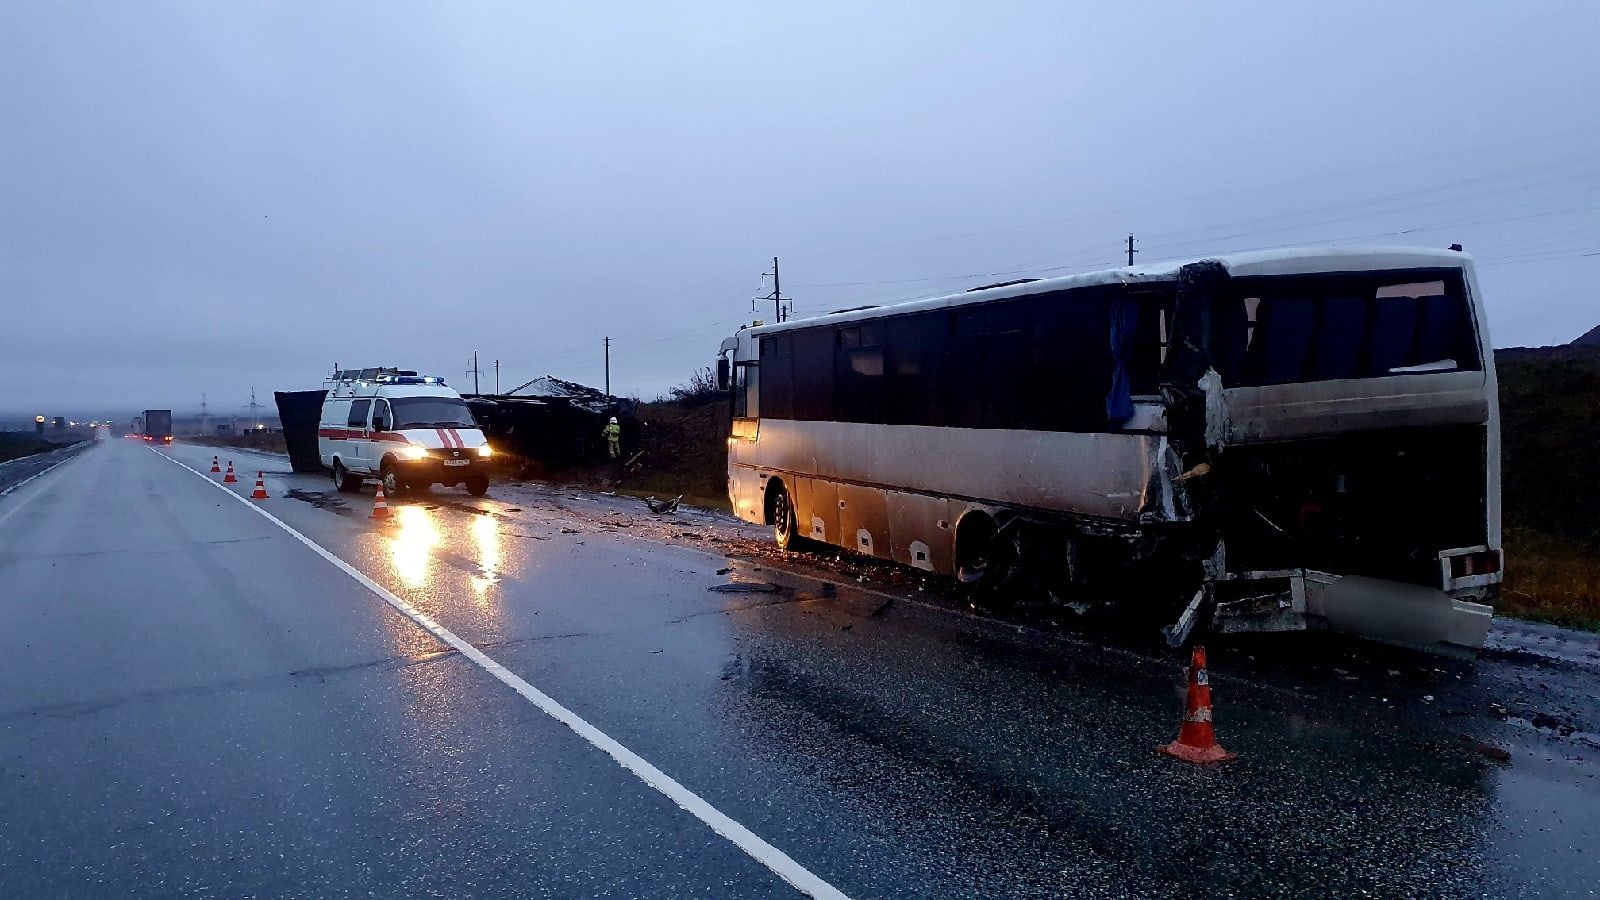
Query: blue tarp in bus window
1341, 337
1230, 335
1124, 326
1441, 336
1282, 341
1394, 331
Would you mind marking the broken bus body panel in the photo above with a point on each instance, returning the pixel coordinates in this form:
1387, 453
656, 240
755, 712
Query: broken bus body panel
1303, 438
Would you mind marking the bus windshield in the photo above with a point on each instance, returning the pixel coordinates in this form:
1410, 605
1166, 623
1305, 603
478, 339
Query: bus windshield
1303, 328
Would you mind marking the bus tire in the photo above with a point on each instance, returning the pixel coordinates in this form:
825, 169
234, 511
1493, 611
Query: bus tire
986, 559
785, 528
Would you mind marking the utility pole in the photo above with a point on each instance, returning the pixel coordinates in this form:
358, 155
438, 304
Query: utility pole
1131, 251
608, 366
205, 415
497, 377
474, 371
780, 311
255, 417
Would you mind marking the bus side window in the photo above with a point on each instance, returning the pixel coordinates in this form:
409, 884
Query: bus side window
813, 374
777, 364
741, 402
916, 368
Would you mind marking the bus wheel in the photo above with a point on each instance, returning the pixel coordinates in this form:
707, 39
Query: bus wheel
987, 559
784, 527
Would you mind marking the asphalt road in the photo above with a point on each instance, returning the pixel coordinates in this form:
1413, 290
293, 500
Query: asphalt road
543, 694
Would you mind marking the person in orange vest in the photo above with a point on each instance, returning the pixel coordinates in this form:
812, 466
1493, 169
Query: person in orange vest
613, 433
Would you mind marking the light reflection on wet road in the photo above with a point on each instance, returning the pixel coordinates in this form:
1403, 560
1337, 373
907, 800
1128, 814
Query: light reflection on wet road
894, 749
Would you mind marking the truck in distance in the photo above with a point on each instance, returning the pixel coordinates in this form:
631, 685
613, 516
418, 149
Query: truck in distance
158, 426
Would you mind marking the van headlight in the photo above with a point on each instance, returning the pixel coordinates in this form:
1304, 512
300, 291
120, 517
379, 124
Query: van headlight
485, 451
413, 452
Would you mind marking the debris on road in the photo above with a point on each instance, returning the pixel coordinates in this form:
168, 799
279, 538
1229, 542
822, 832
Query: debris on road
745, 587
663, 507
1498, 754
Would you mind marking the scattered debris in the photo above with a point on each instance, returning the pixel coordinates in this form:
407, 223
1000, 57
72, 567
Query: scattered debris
882, 608
1495, 753
725, 570
663, 507
570, 531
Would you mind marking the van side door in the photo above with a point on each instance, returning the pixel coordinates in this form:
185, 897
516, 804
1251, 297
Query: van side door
358, 443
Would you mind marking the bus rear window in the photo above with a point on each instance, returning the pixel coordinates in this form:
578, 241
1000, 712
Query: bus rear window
1302, 328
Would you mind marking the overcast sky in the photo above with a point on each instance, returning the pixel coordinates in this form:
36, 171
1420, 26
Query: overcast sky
209, 197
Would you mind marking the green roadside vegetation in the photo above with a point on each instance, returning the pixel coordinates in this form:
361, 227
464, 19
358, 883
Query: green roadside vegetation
1550, 443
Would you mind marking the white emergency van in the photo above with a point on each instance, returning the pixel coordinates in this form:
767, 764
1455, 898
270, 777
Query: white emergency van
404, 429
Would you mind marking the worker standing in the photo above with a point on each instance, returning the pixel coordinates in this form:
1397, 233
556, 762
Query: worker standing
613, 433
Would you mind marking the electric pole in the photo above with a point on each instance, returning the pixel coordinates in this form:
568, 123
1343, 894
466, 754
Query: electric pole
254, 416
474, 371
608, 367
1131, 251
497, 377
780, 311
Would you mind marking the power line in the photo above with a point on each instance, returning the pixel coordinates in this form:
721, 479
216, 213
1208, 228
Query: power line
1078, 217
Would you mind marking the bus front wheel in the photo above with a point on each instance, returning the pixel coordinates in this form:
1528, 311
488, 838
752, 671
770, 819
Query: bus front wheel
784, 526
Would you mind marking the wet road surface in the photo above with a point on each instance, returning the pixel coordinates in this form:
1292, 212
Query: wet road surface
192, 700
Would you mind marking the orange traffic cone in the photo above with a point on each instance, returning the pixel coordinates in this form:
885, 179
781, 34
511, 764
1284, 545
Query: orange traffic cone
380, 506
228, 478
1196, 742
214, 467
260, 493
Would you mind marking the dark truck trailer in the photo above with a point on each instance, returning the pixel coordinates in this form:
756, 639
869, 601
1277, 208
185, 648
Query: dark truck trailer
552, 424
158, 426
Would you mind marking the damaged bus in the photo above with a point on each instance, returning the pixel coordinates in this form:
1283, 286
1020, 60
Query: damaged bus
1267, 441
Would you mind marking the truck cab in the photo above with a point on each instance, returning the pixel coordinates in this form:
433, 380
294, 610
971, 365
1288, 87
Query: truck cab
406, 430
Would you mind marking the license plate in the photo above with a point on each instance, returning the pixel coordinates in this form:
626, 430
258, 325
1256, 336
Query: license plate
456, 462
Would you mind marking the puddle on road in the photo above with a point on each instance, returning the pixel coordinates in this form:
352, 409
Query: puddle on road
320, 500
745, 587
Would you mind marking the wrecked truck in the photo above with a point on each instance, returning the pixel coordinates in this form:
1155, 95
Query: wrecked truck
1261, 442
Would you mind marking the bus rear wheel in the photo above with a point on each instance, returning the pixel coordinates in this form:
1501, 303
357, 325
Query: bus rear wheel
785, 530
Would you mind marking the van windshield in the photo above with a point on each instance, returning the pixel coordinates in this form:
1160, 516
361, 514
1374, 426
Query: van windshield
430, 412
1301, 328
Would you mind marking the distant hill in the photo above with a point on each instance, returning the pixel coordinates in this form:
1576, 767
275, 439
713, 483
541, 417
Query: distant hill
1584, 346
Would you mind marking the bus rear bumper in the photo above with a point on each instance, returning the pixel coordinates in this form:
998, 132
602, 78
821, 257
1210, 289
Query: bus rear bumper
1389, 611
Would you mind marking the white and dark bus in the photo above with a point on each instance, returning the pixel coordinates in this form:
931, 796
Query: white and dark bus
1266, 441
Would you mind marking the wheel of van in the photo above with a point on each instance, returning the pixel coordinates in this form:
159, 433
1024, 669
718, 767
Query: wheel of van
343, 481
393, 484
477, 485
785, 530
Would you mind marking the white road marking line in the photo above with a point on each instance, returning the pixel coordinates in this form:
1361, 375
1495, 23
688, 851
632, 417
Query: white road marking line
12, 509
762, 852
